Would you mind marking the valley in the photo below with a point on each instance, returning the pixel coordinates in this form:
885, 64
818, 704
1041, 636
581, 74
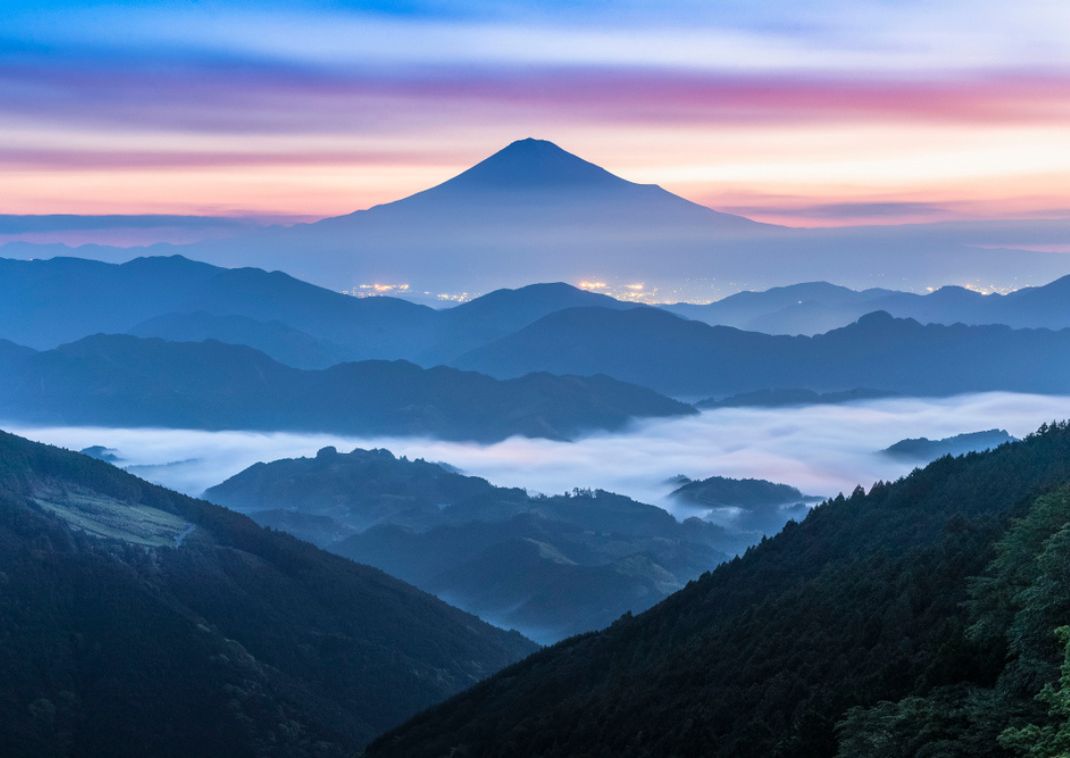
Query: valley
821, 449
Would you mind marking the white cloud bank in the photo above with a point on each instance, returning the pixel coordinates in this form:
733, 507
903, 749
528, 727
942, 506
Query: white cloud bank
822, 449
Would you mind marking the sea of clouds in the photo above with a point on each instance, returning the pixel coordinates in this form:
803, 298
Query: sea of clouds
822, 450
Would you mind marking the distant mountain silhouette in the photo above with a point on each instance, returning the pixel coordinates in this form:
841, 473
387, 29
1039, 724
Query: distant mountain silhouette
274, 338
359, 489
755, 506
502, 312
45, 303
529, 209
137, 621
817, 307
793, 396
807, 308
10, 352
548, 566
121, 380
533, 179
529, 163
535, 212
690, 359
101, 453
925, 450
722, 492
294, 322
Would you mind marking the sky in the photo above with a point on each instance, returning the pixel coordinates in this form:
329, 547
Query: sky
819, 113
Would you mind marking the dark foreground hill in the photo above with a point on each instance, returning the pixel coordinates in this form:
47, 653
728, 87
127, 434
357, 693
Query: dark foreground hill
136, 621
688, 358
116, 380
917, 619
548, 566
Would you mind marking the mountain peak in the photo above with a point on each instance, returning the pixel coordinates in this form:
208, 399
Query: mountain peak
534, 163
875, 318
529, 189
532, 144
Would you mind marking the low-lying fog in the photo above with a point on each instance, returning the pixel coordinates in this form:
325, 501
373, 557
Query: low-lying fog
821, 450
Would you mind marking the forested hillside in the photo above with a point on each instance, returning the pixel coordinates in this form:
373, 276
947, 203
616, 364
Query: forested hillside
672, 355
920, 618
118, 380
548, 566
137, 622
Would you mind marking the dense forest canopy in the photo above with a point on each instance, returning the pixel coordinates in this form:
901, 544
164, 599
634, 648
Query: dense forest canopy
136, 621
920, 618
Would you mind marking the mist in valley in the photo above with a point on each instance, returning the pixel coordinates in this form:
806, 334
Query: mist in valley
822, 450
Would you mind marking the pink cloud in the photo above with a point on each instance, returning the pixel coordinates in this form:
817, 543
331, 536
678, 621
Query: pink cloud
284, 135
289, 101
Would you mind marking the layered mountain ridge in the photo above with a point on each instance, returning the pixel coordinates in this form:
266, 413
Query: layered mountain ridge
119, 380
549, 566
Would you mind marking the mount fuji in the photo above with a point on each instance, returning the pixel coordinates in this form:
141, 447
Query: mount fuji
535, 212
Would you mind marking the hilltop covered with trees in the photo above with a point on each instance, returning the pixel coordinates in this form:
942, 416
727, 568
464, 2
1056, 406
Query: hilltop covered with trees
924, 617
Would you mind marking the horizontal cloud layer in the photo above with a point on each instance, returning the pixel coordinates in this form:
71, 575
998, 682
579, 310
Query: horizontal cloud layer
820, 449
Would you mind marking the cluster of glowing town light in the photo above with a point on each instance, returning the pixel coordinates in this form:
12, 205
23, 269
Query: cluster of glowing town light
380, 289
452, 297
981, 289
376, 289
636, 292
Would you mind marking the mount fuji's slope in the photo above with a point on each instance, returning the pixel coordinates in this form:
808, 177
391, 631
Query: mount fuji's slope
536, 182
530, 208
